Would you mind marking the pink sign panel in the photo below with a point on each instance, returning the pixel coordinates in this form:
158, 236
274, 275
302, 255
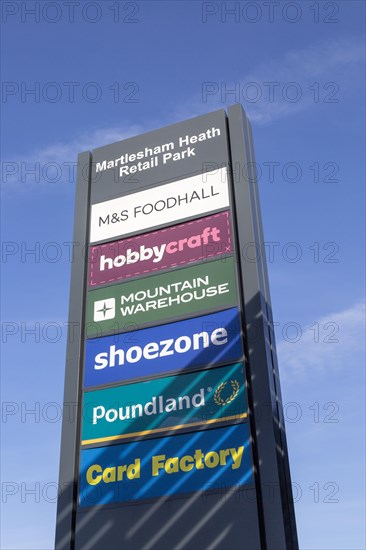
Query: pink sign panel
177, 245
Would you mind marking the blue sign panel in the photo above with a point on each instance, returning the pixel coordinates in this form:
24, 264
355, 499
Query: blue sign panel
208, 460
205, 340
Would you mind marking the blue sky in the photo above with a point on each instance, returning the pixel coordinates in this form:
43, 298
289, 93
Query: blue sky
299, 74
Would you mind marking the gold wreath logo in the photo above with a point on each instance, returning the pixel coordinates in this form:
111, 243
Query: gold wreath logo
217, 396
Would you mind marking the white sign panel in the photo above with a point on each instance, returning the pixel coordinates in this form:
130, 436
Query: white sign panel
160, 205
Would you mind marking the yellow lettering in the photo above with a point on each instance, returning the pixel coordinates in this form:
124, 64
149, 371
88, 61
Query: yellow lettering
186, 463
134, 469
237, 456
171, 465
211, 459
89, 474
157, 464
198, 455
223, 454
120, 471
109, 475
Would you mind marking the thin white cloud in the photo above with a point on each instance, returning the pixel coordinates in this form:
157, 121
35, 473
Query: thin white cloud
333, 61
54, 166
332, 64
59, 152
266, 92
326, 346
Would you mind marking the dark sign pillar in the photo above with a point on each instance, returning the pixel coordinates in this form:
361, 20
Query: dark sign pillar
274, 482
68, 477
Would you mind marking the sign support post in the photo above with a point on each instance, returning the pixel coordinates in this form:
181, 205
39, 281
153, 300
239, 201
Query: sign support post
270, 441
68, 476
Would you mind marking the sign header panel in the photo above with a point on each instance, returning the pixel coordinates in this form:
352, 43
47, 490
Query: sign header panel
202, 341
182, 292
174, 246
218, 458
164, 405
169, 203
177, 151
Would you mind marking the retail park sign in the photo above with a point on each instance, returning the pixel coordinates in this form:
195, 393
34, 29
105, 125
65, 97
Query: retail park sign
175, 357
